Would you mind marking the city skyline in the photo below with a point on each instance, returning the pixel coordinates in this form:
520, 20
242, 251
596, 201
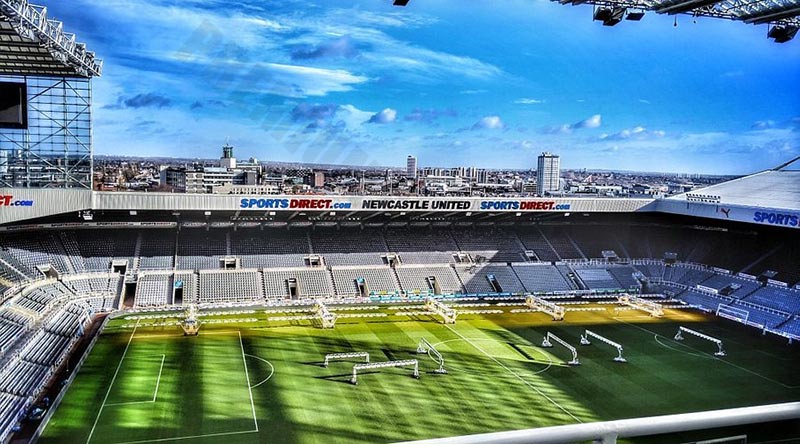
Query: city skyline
329, 83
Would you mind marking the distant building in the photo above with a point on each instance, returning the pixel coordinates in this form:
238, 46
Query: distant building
319, 179
411, 167
548, 174
227, 160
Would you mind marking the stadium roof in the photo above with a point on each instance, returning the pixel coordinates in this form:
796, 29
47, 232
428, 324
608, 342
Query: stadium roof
32, 44
783, 15
777, 188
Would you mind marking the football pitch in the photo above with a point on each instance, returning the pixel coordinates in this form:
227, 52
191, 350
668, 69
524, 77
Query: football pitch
252, 379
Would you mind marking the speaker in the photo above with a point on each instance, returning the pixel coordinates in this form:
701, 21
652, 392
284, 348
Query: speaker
782, 34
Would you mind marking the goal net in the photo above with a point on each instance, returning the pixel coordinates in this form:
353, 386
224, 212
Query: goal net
733, 313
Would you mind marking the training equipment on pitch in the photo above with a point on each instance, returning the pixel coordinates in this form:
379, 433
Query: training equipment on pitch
655, 310
342, 356
426, 347
547, 344
539, 304
679, 337
585, 341
385, 364
189, 324
448, 314
327, 318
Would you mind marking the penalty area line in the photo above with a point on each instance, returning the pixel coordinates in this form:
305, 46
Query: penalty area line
114, 378
524, 381
746, 370
180, 438
247, 378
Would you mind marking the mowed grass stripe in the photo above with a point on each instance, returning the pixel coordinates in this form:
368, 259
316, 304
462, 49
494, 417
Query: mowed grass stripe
304, 403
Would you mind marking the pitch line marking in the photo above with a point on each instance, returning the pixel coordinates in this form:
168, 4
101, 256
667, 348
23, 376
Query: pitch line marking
155, 392
747, 370
180, 438
205, 333
114, 378
272, 371
247, 376
524, 381
549, 361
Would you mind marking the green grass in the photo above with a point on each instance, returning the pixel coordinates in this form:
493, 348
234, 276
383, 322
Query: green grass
499, 379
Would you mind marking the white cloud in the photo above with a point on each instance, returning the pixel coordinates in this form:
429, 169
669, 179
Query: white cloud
489, 122
388, 115
592, 122
527, 101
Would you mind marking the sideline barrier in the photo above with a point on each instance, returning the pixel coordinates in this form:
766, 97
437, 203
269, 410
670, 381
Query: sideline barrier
607, 432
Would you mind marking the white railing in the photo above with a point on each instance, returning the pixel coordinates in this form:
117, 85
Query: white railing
608, 432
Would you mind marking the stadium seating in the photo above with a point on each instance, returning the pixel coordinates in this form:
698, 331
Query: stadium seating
218, 286
270, 248
536, 277
534, 240
561, 243
157, 250
189, 280
414, 279
475, 278
153, 289
379, 279
495, 245
596, 278
199, 249
311, 282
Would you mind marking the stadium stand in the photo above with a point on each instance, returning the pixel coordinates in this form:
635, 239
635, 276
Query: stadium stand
533, 240
270, 248
189, 283
199, 249
495, 245
297, 283
537, 277
416, 279
153, 289
560, 241
156, 250
476, 279
218, 286
379, 279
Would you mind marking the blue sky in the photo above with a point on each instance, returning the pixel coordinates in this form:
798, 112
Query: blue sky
490, 84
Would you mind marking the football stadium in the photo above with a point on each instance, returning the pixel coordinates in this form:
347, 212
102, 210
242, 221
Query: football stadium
133, 318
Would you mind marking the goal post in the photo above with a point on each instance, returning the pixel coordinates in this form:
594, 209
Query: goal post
425, 347
655, 310
386, 364
547, 344
681, 330
448, 314
733, 313
345, 356
585, 341
322, 313
545, 306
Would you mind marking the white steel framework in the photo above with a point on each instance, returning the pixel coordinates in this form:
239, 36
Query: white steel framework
426, 347
585, 341
39, 46
327, 318
655, 310
547, 344
344, 356
679, 337
448, 314
537, 303
386, 364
